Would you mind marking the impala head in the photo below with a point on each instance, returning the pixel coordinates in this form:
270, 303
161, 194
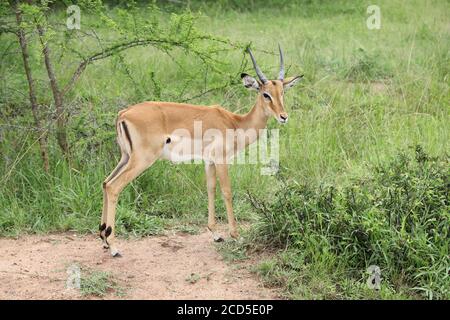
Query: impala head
271, 92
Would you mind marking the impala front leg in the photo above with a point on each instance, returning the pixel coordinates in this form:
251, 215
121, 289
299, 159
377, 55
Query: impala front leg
211, 185
225, 185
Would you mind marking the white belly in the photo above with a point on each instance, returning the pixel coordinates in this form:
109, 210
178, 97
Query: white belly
184, 149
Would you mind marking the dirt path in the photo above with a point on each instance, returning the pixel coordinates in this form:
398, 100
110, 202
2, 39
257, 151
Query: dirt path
174, 266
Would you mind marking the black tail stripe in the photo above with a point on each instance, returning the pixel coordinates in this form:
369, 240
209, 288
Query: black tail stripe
127, 134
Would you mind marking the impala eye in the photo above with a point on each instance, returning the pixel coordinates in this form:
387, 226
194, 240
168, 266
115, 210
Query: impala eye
267, 96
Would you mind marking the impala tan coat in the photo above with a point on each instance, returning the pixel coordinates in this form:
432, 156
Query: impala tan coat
149, 131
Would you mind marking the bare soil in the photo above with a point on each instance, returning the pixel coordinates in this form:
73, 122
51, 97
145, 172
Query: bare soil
173, 266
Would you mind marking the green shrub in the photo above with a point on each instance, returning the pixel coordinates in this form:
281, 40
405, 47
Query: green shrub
397, 218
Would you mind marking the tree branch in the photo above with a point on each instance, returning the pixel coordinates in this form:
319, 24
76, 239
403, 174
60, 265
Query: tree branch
105, 53
109, 52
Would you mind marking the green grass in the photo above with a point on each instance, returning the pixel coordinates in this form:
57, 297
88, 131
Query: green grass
233, 250
99, 283
367, 94
302, 281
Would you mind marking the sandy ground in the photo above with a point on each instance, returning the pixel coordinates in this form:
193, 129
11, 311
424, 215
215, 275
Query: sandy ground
159, 267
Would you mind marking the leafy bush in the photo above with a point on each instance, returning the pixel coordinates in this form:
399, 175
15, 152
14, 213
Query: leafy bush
398, 219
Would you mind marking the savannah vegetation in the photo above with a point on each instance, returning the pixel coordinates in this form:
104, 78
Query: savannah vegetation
364, 159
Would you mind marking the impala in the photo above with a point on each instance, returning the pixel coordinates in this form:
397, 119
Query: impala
149, 131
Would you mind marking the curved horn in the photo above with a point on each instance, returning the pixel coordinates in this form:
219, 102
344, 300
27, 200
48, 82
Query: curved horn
281, 75
261, 75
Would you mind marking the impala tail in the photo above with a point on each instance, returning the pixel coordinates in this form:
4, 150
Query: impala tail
124, 137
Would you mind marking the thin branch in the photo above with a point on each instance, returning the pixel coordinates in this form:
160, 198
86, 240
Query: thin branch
109, 52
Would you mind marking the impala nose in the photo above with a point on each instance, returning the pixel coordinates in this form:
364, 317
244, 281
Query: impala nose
283, 117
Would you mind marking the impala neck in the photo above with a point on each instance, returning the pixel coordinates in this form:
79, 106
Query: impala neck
256, 118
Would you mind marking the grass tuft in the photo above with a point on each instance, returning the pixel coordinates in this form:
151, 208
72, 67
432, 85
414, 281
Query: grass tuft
99, 283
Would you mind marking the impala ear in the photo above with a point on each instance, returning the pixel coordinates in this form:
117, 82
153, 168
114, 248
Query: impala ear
249, 82
291, 81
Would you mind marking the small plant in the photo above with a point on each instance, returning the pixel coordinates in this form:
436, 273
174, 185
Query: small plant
193, 278
233, 250
99, 283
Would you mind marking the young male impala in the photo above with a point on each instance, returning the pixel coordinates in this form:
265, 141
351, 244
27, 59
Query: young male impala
150, 131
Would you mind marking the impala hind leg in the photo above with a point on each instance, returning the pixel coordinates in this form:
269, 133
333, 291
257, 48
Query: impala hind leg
120, 166
112, 188
210, 170
225, 185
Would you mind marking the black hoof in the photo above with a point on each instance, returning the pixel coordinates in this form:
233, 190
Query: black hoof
219, 239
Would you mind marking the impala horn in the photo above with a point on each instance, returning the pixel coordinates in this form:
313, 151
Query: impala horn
281, 75
261, 75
